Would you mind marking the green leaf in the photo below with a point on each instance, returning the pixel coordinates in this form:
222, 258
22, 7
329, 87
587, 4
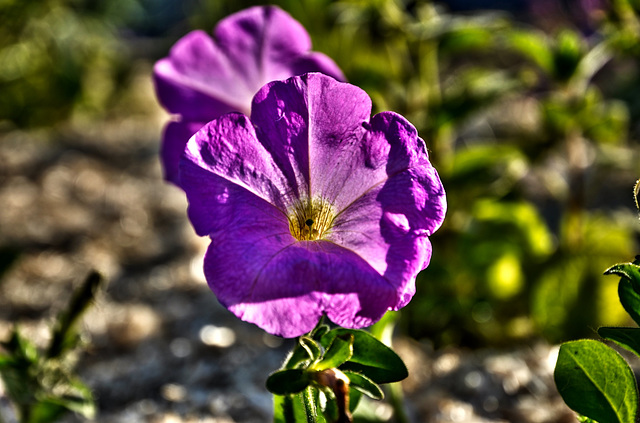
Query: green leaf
596, 382
364, 385
628, 338
340, 350
532, 45
568, 52
79, 400
288, 381
46, 411
370, 357
630, 271
354, 399
20, 348
629, 298
64, 334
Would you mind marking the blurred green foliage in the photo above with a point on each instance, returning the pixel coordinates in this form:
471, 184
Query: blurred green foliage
43, 385
58, 56
533, 130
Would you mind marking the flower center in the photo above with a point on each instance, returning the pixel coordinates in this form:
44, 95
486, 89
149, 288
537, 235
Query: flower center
310, 219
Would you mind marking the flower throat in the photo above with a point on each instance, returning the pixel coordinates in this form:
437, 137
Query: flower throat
310, 220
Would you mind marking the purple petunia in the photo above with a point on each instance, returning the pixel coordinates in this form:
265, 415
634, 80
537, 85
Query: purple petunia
205, 77
313, 206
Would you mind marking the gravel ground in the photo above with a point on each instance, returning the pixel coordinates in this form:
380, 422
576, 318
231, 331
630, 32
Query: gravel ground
159, 347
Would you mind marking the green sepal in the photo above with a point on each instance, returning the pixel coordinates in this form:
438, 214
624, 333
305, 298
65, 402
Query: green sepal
319, 331
596, 382
339, 351
370, 357
364, 385
628, 338
311, 346
302, 356
288, 381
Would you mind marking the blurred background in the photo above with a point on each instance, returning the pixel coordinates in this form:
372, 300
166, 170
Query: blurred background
530, 113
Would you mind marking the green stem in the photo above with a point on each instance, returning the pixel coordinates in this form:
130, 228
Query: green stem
309, 405
287, 410
396, 398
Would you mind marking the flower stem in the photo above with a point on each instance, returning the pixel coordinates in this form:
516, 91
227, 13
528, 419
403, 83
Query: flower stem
396, 398
309, 405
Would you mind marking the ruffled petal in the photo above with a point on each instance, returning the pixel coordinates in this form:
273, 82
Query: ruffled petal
389, 224
284, 287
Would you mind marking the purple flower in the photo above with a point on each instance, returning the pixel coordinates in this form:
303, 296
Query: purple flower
312, 206
204, 78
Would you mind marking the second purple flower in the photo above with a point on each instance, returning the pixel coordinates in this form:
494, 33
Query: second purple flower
206, 77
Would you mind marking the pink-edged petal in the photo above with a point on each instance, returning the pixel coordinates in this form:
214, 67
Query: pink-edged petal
174, 141
197, 81
285, 287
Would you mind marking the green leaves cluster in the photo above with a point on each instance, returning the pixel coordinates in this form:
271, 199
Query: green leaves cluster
42, 384
593, 379
326, 354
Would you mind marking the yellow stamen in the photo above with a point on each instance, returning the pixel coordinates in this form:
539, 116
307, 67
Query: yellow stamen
310, 220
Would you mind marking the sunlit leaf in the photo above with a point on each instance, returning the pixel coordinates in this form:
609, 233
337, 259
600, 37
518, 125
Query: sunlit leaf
370, 357
339, 351
596, 382
364, 385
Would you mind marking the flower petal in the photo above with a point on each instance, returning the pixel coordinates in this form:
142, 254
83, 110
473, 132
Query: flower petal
261, 43
389, 224
317, 62
221, 158
312, 124
198, 82
174, 140
285, 287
